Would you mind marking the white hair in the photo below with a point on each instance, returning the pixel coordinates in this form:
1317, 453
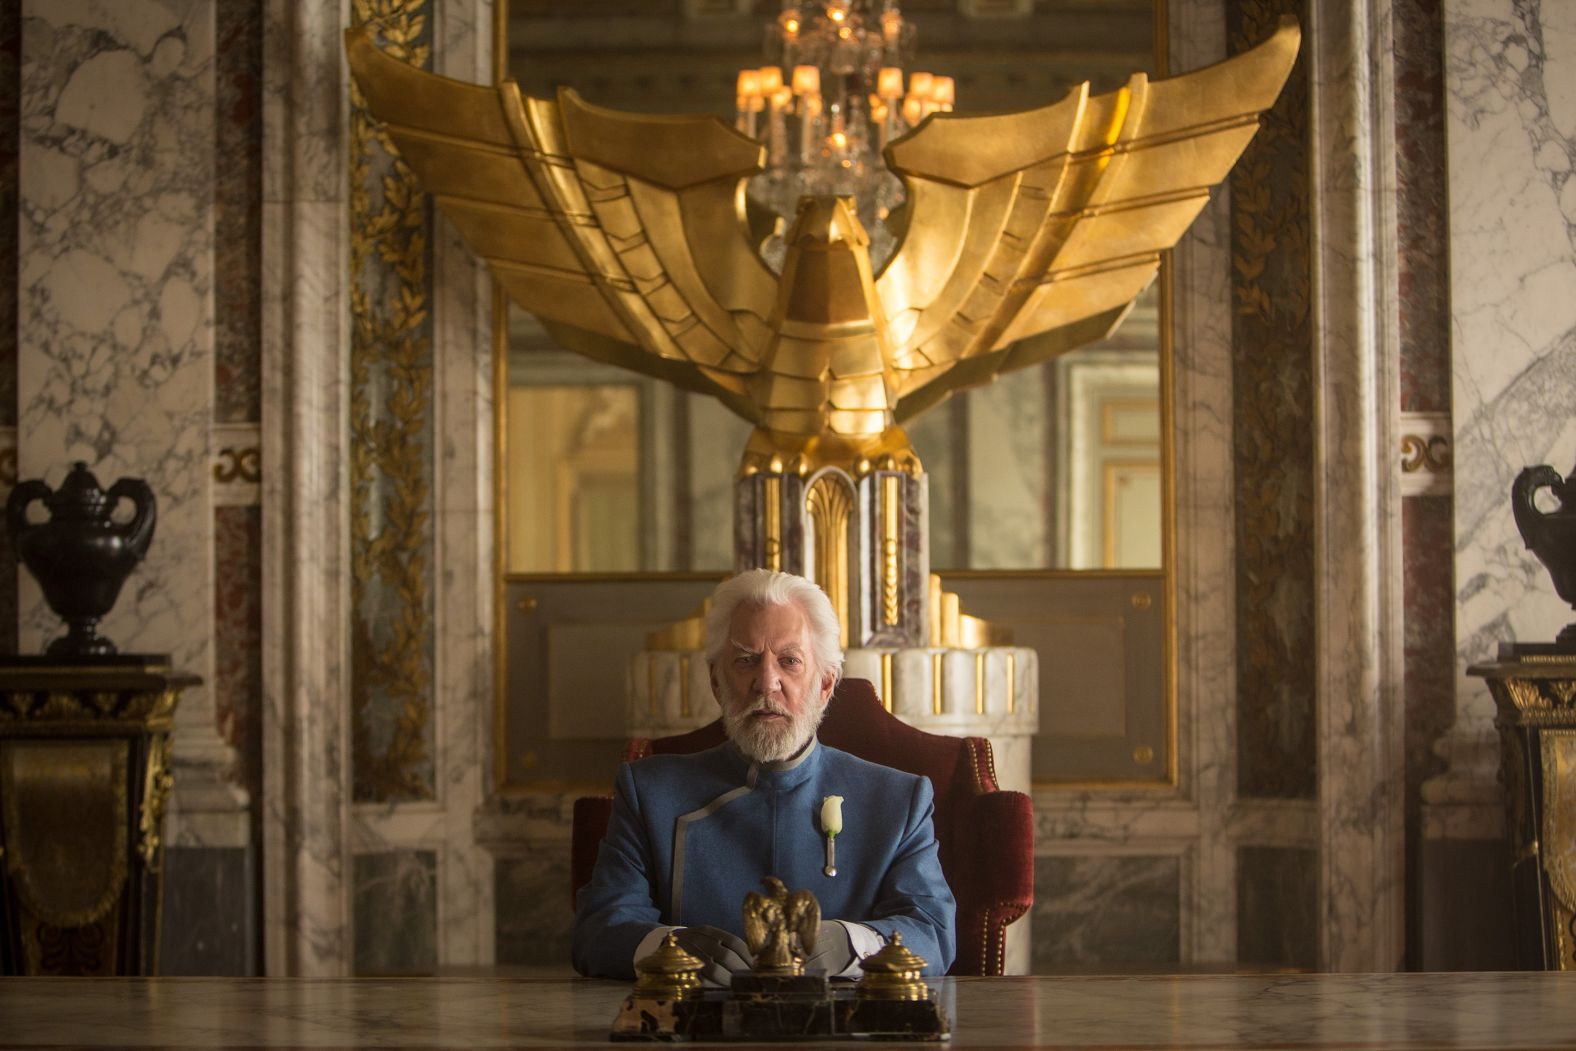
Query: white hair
766, 587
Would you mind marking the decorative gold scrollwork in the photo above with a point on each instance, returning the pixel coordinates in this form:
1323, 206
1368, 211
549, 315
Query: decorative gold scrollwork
1425, 453
772, 521
1522, 693
891, 549
61, 706
155, 794
829, 505
1540, 695
239, 465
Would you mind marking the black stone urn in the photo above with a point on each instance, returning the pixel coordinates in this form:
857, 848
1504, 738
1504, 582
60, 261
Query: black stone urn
1551, 535
81, 556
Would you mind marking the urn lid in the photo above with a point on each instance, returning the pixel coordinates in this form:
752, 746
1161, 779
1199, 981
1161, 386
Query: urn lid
79, 496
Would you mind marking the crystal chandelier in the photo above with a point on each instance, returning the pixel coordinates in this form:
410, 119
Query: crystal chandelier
831, 102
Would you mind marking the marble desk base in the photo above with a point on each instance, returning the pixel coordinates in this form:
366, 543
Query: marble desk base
1368, 1012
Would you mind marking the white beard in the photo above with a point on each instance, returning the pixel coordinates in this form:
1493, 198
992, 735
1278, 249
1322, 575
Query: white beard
764, 742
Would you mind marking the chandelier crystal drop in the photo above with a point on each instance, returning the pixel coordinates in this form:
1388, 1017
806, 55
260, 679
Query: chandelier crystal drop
830, 100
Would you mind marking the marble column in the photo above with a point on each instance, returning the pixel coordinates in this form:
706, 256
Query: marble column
116, 330
1357, 487
306, 924
1206, 644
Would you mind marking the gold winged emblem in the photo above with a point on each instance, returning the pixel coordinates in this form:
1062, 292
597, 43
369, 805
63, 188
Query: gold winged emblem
780, 928
1027, 234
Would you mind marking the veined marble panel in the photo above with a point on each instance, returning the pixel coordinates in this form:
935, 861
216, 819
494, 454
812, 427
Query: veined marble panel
1422, 206
1273, 431
1511, 134
10, 130
1104, 912
395, 910
116, 337
238, 212
1277, 907
535, 918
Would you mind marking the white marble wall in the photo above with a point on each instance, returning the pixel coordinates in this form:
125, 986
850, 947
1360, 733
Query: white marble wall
115, 340
1510, 79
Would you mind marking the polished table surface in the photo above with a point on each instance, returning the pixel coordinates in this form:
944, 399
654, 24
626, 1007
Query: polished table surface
1346, 1012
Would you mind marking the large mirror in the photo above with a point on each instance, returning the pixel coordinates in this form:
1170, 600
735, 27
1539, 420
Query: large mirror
1057, 467
1054, 473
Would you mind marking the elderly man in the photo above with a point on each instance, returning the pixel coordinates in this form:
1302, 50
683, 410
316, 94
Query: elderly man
690, 835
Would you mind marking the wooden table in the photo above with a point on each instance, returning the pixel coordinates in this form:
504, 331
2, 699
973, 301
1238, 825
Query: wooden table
1346, 1012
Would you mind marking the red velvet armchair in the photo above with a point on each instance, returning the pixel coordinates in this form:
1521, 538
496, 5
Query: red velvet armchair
986, 835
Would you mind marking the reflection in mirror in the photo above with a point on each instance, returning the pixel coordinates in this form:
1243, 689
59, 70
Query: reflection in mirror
1053, 467
610, 471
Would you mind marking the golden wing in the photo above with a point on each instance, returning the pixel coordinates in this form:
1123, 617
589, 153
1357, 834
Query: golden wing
757, 920
804, 918
588, 222
1063, 212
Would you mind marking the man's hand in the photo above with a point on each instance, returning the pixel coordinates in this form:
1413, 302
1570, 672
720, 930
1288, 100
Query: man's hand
833, 951
724, 954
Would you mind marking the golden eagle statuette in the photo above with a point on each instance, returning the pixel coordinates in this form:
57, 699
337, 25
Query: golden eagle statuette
1024, 235
780, 927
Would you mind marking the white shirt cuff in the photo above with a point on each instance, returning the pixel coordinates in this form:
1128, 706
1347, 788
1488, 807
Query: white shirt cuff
650, 942
864, 942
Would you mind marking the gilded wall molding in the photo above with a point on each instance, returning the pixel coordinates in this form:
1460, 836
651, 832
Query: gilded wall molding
391, 446
1426, 454
7, 457
237, 464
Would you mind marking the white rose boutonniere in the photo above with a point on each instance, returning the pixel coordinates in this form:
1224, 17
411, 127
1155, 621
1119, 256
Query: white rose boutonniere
831, 825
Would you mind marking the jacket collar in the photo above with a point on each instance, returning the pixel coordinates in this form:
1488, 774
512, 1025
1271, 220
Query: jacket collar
787, 773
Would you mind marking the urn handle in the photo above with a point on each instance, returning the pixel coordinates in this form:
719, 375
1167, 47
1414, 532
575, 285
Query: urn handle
1529, 520
16, 508
138, 531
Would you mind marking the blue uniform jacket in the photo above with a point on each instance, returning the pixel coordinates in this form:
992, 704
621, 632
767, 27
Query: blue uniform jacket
690, 835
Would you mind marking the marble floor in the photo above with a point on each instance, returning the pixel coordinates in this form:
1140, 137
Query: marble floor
1345, 1012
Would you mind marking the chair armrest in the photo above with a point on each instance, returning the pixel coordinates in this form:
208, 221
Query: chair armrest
1001, 827
592, 813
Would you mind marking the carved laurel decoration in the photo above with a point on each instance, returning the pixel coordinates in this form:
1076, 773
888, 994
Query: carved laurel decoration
391, 473
1540, 695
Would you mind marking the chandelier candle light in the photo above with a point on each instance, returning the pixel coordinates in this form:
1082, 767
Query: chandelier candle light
829, 105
